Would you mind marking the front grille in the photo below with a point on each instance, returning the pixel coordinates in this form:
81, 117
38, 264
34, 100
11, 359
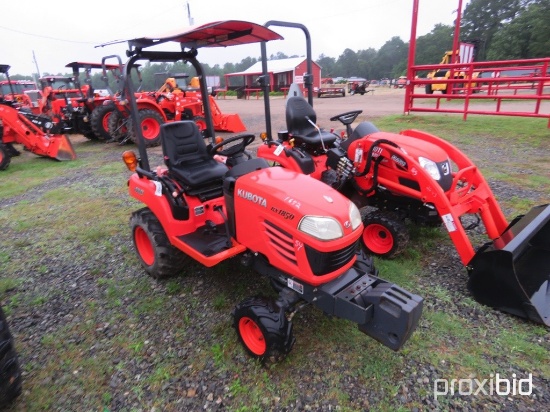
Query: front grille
281, 241
322, 263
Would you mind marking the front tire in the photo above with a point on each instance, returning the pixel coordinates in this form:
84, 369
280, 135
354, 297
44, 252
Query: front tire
5, 157
10, 370
263, 329
157, 255
384, 234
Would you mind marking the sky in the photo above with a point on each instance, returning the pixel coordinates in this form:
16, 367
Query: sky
45, 36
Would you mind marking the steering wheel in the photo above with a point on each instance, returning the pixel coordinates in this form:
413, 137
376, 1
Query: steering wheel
234, 150
348, 117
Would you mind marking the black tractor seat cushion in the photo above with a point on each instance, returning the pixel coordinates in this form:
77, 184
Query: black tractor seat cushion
298, 110
186, 156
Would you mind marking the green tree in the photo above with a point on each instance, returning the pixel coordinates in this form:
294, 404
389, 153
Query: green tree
393, 52
328, 66
431, 47
365, 61
525, 37
348, 63
482, 19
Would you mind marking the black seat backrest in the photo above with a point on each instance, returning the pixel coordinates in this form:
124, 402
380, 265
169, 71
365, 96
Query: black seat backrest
298, 111
187, 157
297, 108
182, 143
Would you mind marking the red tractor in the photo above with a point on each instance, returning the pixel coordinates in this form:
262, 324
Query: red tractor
16, 90
171, 102
212, 203
418, 176
37, 133
97, 107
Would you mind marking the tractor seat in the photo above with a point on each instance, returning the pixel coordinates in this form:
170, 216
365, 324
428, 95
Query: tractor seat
188, 160
303, 132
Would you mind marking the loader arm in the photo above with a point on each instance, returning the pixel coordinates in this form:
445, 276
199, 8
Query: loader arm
469, 192
511, 271
19, 129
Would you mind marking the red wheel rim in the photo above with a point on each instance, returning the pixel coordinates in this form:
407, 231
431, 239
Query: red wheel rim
201, 125
252, 336
150, 129
378, 238
144, 246
105, 122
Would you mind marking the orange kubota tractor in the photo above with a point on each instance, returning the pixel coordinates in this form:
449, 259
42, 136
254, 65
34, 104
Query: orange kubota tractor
37, 133
212, 203
418, 176
16, 90
171, 102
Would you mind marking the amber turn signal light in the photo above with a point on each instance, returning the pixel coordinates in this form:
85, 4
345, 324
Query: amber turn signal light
130, 159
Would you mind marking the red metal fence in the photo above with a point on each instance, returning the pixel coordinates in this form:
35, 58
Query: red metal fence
507, 88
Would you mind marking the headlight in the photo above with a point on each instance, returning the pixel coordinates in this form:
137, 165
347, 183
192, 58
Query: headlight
430, 167
324, 228
354, 216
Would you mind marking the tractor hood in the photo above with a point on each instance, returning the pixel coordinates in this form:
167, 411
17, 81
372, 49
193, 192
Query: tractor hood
413, 147
305, 226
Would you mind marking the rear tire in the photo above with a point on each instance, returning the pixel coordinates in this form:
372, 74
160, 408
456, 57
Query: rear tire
5, 157
100, 121
263, 329
429, 89
384, 234
10, 370
150, 122
118, 129
157, 255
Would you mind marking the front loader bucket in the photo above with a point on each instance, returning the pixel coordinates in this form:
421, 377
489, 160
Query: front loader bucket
61, 148
512, 273
229, 123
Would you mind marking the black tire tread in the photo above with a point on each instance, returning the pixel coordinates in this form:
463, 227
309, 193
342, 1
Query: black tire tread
169, 260
395, 225
275, 326
96, 120
5, 157
10, 370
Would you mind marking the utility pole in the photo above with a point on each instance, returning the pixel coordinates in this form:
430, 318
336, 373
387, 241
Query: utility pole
191, 20
36, 64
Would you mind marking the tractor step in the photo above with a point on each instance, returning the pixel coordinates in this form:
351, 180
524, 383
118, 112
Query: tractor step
208, 240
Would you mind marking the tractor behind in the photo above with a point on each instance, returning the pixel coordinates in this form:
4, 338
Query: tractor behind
420, 177
174, 100
37, 133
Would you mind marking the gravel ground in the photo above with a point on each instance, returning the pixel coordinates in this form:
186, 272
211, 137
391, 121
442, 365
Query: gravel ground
70, 281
